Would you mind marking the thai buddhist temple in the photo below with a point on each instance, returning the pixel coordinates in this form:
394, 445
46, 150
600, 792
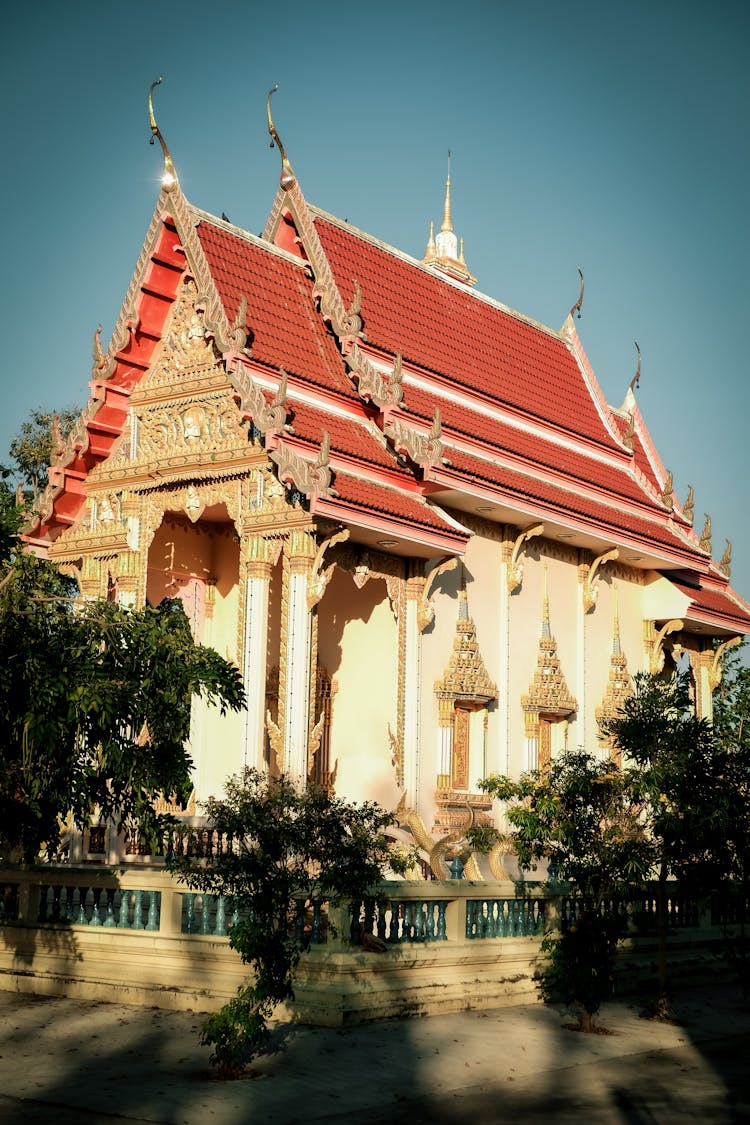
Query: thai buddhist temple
405, 510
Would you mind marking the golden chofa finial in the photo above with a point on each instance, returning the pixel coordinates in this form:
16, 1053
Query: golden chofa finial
287, 172
168, 176
635, 382
578, 306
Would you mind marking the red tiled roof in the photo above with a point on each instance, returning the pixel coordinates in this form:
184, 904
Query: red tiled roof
606, 516
461, 336
391, 502
287, 330
349, 436
531, 448
714, 600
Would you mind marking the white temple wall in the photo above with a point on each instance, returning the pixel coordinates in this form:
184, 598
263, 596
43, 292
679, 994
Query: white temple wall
484, 578
437, 646
200, 564
220, 750
358, 646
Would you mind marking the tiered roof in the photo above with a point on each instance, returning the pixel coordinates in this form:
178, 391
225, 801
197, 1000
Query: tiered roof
395, 398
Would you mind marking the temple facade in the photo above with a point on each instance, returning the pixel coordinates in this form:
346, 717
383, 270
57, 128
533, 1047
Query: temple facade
405, 510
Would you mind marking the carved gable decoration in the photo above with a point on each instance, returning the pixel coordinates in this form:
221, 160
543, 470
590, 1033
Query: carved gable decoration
619, 688
466, 677
185, 350
178, 432
619, 685
548, 693
184, 413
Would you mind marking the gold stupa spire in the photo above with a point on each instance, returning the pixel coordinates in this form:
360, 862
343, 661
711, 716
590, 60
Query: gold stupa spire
447, 220
443, 251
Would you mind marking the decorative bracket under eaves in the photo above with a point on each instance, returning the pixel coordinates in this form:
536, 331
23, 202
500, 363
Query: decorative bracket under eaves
655, 642
268, 418
311, 479
715, 672
515, 562
371, 385
591, 579
425, 450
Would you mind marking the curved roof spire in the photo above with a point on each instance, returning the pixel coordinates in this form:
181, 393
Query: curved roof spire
287, 172
635, 382
168, 176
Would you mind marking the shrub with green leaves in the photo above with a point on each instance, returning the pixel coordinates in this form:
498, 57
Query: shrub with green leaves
288, 851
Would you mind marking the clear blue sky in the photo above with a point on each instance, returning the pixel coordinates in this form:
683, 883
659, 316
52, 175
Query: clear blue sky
614, 135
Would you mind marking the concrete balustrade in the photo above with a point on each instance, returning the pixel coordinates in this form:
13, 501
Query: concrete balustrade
136, 935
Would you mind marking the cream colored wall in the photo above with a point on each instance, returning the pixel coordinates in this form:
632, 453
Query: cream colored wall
437, 646
221, 736
205, 551
358, 645
584, 647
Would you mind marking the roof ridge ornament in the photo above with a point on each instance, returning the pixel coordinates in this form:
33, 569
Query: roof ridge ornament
705, 539
667, 492
168, 176
725, 565
578, 306
635, 382
688, 506
287, 172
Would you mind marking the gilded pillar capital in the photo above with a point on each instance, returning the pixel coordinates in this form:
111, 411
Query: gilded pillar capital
300, 549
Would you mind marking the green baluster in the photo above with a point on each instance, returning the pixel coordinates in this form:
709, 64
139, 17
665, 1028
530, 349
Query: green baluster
471, 919
206, 914
430, 935
441, 934
137, 910
408, 932
152, 922
393, 928
95, 915
188, 923
220, 924
494, 917
109, 921
82, 920
123, 922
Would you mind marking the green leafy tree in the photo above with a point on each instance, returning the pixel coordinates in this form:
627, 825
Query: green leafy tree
94, 706
732, 731
289, 851
11, 521
576, 815
32, 449
676, 772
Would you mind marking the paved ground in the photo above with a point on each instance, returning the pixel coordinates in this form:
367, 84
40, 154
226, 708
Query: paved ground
68, 1061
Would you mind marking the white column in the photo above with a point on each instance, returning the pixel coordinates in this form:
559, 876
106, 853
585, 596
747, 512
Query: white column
294, 673
502, 762
582, 733
254, 662
445, 743
412, 697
